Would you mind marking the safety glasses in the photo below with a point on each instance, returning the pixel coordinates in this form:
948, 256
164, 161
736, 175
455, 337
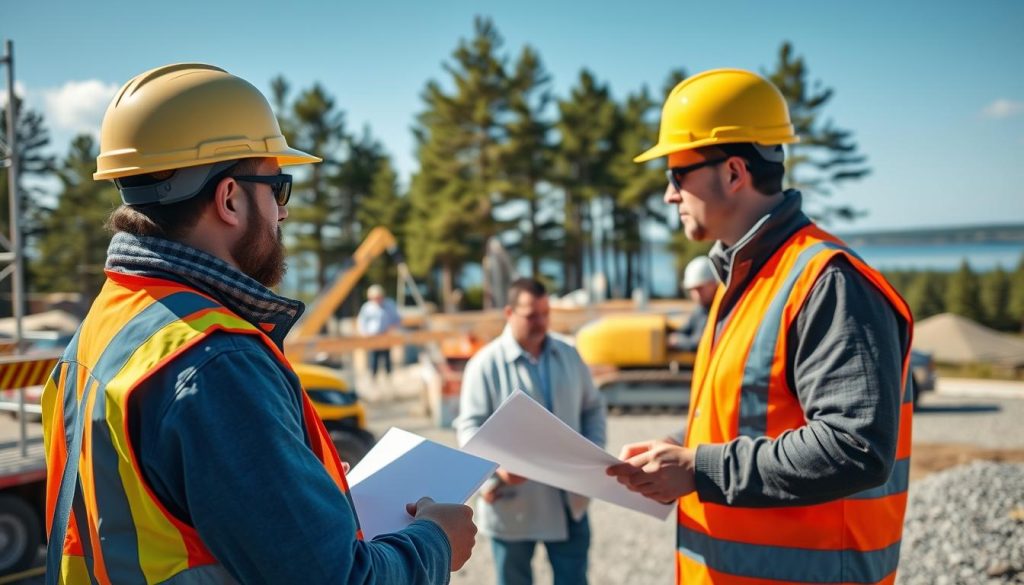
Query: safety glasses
281, 185
675, 175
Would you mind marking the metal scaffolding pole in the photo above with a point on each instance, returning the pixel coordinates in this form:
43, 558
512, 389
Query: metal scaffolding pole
17, 284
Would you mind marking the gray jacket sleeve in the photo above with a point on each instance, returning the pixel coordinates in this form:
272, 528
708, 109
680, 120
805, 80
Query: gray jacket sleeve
845, 352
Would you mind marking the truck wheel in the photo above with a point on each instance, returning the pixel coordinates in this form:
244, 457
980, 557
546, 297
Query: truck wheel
352, 444
20, 534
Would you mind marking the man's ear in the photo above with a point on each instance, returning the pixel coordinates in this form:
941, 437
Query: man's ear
739, 174
228, 201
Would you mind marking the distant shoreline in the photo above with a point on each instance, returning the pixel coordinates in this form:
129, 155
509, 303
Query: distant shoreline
991, 233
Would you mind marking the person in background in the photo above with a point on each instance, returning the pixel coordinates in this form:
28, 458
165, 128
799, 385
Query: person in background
515, 512
700, 284
377, 316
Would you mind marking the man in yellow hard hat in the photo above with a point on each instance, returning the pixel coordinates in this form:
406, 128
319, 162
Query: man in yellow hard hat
180, 445
794, 463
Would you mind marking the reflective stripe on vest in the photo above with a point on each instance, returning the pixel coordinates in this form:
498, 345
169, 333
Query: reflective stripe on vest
740, 388
136, 326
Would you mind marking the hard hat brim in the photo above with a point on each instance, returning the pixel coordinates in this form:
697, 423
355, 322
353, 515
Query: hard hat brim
285, 157
664, 149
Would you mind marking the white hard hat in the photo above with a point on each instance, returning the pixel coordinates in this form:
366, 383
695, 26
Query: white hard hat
375, 291
699, 271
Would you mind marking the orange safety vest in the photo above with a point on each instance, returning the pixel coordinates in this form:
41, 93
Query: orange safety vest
740, 389
104, 522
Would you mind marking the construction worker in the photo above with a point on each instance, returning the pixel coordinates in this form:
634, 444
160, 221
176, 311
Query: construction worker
794, 464
377, 316
180, 446
515, 512
700, 284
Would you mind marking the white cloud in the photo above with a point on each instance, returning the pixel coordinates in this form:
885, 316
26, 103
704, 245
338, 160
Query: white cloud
78, 106
1003, 108
19, 90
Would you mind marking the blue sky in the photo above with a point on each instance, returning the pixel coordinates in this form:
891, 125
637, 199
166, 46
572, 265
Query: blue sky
933, 91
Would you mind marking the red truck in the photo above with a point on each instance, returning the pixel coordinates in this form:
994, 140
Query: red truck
22, 461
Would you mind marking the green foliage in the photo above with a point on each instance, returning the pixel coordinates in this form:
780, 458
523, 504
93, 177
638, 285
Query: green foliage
1016, 300
384, 205
826, 156
963, 294
32, 139
995, 296
73, 247
587, 125
926, 294
337, 202
525, 160
459, 136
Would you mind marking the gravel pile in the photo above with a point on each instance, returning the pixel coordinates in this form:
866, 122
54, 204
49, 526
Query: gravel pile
965, 525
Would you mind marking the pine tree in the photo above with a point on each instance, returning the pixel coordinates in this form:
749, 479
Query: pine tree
963, 294
314, 125
639, 189
826, 156
73, 249
995, 294
587, 123
384, 205
1016, 302
459, 137
32, 138
526, 160
925, 294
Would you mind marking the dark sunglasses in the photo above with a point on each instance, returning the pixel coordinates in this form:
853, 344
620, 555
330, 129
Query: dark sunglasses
281, 185
675, 175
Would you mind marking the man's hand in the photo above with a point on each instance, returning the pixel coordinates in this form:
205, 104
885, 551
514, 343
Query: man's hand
455, 520
509, 478
660, 470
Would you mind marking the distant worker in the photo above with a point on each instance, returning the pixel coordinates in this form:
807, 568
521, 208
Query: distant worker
377, 316
515, 512
180, 446
700, 284
794, 465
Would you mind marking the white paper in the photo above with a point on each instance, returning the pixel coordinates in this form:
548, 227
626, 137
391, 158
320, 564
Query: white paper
527, 440
402, 468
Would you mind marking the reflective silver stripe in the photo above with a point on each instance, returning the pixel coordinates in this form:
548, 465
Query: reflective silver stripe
204, 575
788, 564
753, 411
897, 483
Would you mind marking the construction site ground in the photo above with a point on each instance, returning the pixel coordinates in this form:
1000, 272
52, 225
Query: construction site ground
962, 421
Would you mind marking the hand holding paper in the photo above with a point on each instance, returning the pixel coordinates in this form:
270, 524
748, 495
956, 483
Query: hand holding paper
658, 470
526, 439
402, 468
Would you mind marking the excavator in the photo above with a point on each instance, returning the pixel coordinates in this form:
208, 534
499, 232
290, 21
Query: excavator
632, 362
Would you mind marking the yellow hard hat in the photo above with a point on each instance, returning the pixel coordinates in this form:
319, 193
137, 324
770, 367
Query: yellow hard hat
186, 115
722, 106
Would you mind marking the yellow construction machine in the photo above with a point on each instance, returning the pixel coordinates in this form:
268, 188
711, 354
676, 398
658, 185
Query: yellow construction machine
632, 362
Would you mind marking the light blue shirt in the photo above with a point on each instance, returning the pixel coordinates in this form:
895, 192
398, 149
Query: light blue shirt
530, 510
376, 318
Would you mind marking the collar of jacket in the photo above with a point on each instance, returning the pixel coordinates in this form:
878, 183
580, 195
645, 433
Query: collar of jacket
737, 264
513, 351
161, 258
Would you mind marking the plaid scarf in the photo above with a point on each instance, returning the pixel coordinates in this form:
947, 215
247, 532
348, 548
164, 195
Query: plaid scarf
160, 258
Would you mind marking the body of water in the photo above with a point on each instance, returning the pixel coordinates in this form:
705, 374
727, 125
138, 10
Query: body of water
982, 257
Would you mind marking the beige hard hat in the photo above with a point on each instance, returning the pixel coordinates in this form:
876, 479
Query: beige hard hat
187, 115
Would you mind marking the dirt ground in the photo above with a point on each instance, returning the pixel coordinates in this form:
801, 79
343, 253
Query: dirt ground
931, 457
